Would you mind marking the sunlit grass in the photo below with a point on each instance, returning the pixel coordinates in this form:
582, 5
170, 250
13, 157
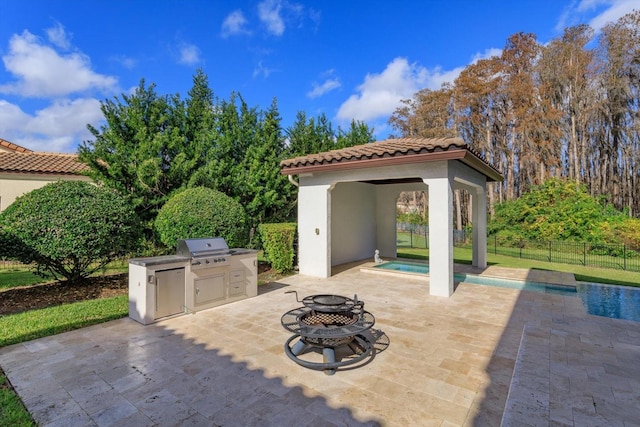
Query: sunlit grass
29, 325
16, 277
12, 411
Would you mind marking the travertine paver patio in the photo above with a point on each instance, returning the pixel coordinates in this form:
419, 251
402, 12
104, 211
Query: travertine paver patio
450, 362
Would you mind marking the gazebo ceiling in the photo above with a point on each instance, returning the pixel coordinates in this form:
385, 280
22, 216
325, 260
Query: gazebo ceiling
392, 152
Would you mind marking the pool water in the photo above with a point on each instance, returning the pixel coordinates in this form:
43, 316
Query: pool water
616, 302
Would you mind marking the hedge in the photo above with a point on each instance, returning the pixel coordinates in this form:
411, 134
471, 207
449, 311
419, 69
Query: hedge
277, 242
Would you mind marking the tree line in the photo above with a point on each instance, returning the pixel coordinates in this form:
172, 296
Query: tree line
568, 109
152, 146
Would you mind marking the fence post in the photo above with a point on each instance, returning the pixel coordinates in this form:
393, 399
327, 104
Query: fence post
426, 239
550, 250
495, 244
521, 244
411, 237
624, 255
584, 254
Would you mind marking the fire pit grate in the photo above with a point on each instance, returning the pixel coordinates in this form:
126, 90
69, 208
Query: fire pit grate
338, 325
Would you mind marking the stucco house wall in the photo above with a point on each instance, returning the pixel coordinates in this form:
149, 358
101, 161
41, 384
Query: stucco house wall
13, 186
23, 170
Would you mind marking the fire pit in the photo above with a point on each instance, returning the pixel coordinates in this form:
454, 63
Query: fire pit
330, 324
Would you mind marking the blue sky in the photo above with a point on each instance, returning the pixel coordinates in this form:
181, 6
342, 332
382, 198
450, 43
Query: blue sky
348, 59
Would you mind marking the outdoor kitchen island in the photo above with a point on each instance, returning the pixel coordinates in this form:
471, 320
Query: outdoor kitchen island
204, 273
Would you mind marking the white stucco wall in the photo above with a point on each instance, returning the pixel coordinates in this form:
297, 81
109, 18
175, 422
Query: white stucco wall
342, 220
14, 185
353, 222
314, 239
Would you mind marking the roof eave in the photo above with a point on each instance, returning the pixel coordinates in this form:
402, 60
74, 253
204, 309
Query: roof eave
463, 155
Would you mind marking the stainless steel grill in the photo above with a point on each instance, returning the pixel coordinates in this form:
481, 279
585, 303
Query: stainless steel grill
206, 252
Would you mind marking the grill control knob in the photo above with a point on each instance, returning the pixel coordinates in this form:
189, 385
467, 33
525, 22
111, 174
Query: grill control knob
207, 262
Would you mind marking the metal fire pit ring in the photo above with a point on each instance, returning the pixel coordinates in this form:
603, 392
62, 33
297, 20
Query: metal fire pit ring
359, 344
327, 330
294, 321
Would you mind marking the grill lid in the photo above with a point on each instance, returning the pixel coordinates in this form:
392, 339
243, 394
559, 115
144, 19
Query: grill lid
205, 246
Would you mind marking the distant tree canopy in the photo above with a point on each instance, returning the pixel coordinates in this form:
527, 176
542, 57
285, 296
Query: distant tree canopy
562, 210
153, 145
566, 109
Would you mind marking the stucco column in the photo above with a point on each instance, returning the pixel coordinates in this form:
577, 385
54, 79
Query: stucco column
440, 236
314, 225
479, 207
386, 210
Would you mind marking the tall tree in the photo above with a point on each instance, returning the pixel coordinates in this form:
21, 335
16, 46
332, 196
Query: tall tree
130, 152
427, 115
269, 197
566, 75
357, 134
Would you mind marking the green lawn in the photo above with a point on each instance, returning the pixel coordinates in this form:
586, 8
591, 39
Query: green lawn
585, 274
15, 277
33, 324
12, 411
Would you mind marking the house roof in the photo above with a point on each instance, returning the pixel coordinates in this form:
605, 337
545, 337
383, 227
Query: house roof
10, 146
43, 163
392, 152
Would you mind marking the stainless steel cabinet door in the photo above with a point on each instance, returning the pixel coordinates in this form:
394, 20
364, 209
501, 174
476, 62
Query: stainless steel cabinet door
169, 292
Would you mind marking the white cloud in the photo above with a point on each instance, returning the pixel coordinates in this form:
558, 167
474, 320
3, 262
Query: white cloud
616, 10
321, 89
42, 72
330, 83
605, 11
488, 53
269, 12
189, 54
261, 69
58, 36
56, 128
380, 94
235, 23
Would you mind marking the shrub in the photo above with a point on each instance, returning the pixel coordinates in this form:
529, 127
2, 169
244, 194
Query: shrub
70, 229
201, 212
277, 242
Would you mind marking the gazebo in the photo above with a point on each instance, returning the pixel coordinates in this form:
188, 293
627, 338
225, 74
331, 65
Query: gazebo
347, 202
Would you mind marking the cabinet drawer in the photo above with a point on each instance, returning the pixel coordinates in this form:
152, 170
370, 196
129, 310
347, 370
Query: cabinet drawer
236, 276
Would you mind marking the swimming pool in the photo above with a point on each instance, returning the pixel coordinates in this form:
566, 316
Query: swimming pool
616, 302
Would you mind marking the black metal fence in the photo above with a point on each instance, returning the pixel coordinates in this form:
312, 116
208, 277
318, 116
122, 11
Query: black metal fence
611, 255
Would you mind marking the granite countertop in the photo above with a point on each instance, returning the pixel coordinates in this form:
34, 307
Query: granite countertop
157, 260
242, 251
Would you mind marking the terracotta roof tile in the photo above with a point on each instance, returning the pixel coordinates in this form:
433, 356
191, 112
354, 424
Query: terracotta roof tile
393, 150
13, 147
38, 162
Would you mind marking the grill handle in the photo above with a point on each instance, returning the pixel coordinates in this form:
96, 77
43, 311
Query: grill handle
294, 292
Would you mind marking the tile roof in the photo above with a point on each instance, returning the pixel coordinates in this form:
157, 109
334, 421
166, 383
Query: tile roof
38, 162
10, 146
392, 152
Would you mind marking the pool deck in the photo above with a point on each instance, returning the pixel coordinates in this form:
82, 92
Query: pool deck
484, 357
